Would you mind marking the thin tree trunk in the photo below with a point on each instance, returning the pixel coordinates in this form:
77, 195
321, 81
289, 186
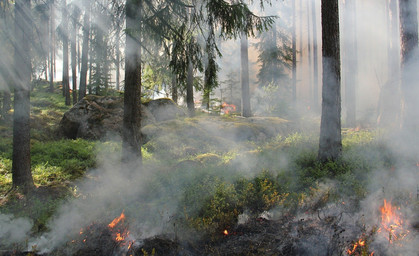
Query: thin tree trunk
330, 143
174, 88
244, 53
189, 90
85, 52
118, 57
66, 82
310, 64
131, 137
21, 158
409, 48
74, 53
351, 69
52, 46
294, 55
315, 59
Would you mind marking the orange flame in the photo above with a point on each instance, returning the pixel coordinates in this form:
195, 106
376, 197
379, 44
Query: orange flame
225, 232
392, 222
359, 243
117, 220
227, 108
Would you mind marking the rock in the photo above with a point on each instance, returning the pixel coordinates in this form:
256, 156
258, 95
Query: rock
96, 117
164, 109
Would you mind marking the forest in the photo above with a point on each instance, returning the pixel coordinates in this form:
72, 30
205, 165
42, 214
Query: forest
209, 127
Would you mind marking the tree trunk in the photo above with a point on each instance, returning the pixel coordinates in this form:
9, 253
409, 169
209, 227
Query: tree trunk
294, 55
244, 53
74, 52
315, 59
174, 88
21, 158
189, 90
117, 56
409, 56
52, 46
131, 137
330, 143
351, 61
310, 64
389, 103
66, 80
85, 52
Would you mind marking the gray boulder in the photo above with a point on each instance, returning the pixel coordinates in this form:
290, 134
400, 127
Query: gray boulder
96, 117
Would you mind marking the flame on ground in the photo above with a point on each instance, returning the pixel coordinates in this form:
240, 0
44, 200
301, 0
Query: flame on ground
227, 108
392, 223
359, 248
117, 220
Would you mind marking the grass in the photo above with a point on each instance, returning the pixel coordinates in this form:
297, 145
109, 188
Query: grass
194, 164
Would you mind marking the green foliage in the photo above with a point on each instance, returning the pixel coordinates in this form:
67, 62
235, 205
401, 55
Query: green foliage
219, 206
73, 156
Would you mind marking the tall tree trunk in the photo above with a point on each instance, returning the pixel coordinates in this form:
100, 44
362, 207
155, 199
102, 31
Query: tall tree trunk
51, 45
310, 64
74, 52
85, 52
244, 53
131, 137
21, 158
389, 103
330, 143
117, 56
315, 59
189, 90
174, 88
99, 59
351, 61
66, 79
294, 55
409, 57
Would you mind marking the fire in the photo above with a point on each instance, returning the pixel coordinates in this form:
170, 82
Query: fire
117, 220
392, 222
227, 108
225, 232
359, 248
359, 243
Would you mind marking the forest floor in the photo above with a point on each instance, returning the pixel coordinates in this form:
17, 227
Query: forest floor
202, 192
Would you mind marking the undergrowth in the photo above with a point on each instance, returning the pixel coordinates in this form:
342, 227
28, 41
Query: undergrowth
207, 182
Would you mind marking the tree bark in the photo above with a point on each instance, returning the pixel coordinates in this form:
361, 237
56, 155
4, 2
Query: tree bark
330, 143
409, 60
315, 59
351, 61
131, 137
117, 56
189, 90
389, 103
21, 158
174, 88
66, 79
74, 52
310, 63
244, 53
52, 46
294, 55
85, 52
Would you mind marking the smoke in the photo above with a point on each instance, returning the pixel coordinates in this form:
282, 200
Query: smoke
13, 230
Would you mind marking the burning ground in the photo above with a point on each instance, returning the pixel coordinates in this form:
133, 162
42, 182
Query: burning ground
206, 189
